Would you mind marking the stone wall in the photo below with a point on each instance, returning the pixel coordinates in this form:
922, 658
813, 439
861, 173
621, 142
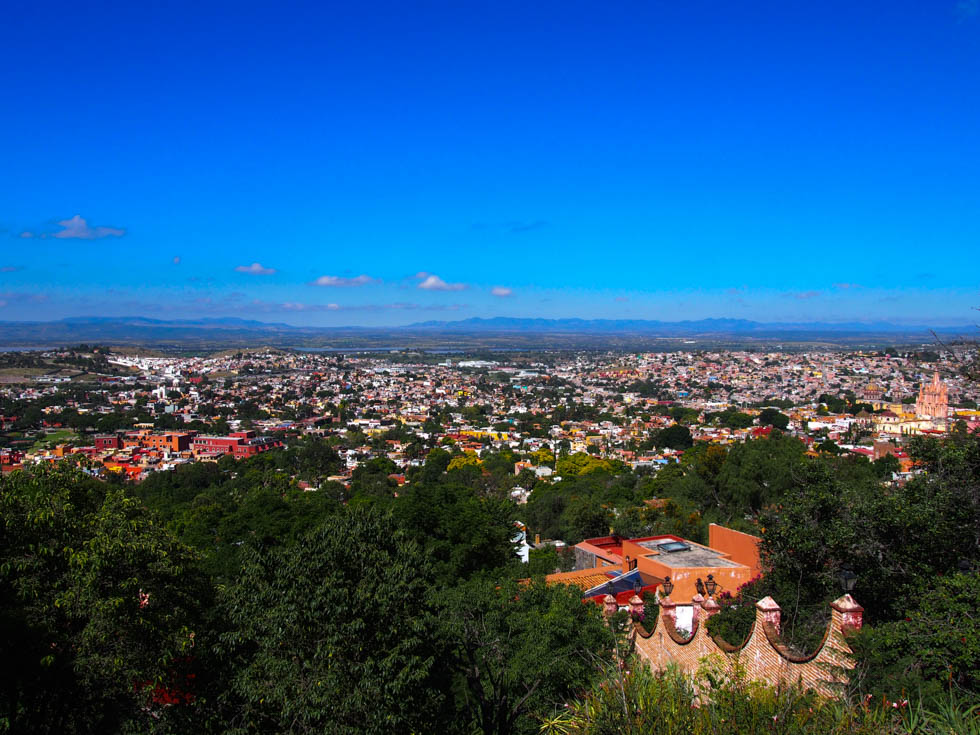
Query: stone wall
583, 559
762, 655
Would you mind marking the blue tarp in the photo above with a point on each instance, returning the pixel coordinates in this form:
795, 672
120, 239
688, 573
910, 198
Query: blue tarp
632, 580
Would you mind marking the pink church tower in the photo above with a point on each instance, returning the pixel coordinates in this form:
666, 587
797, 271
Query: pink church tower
933, 401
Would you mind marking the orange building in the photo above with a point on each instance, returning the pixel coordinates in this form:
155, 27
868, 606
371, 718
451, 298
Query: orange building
174, 441
178, 441
731, 558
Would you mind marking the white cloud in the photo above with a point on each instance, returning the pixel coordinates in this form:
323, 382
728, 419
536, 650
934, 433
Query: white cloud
11, 298
341, 282
804, 295
256, 269
266, 306
434, 283
78, 228
501, 291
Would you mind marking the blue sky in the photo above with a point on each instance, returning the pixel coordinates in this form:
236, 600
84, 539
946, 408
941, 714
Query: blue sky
385, 163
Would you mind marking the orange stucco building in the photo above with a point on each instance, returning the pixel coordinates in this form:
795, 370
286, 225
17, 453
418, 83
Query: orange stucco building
731, 558
174, 441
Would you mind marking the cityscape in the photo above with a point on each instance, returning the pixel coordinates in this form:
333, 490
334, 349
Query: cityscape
143, 414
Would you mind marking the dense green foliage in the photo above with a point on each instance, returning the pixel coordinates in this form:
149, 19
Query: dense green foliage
460, 532
227, 598
934, 648
334, 633
549, 559
216, 508
101, 607
224, 598
632, 699
906, 542
519, 649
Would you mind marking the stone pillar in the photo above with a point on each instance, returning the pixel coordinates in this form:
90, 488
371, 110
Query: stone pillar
609, 606
847, 614
668, 611
767, 611
709, 607
637, 610
696, 616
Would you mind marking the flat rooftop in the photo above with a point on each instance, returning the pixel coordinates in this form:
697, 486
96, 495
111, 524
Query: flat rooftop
693, 556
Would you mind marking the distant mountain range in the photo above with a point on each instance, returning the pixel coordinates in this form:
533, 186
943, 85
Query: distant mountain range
142, 321
686, 327
499, 332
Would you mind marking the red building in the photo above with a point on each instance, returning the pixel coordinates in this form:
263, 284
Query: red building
10, 458
107, 441
241, 444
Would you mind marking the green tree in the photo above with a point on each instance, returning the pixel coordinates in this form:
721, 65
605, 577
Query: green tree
334, 634
585, 518
677, 436
466, 459
758, 472
684, 415
461, 531
829, 446
772, 417
734, 419
935, 646
317, 459
837, 516
544, 510
519, 649
101, 608
371, 481
543, 456
581, 463
550, 559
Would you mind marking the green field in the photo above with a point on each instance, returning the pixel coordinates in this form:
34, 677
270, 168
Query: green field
59, 437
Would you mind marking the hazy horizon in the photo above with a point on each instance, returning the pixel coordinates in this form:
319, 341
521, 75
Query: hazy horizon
896, 323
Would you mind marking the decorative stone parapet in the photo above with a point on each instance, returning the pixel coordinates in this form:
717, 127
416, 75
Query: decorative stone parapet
762, 655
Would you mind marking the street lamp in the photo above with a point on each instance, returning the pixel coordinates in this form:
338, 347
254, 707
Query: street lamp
699, 586
847, 580
711, 585
667, 586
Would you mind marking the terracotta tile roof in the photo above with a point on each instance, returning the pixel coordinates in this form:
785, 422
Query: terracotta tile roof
582, 578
